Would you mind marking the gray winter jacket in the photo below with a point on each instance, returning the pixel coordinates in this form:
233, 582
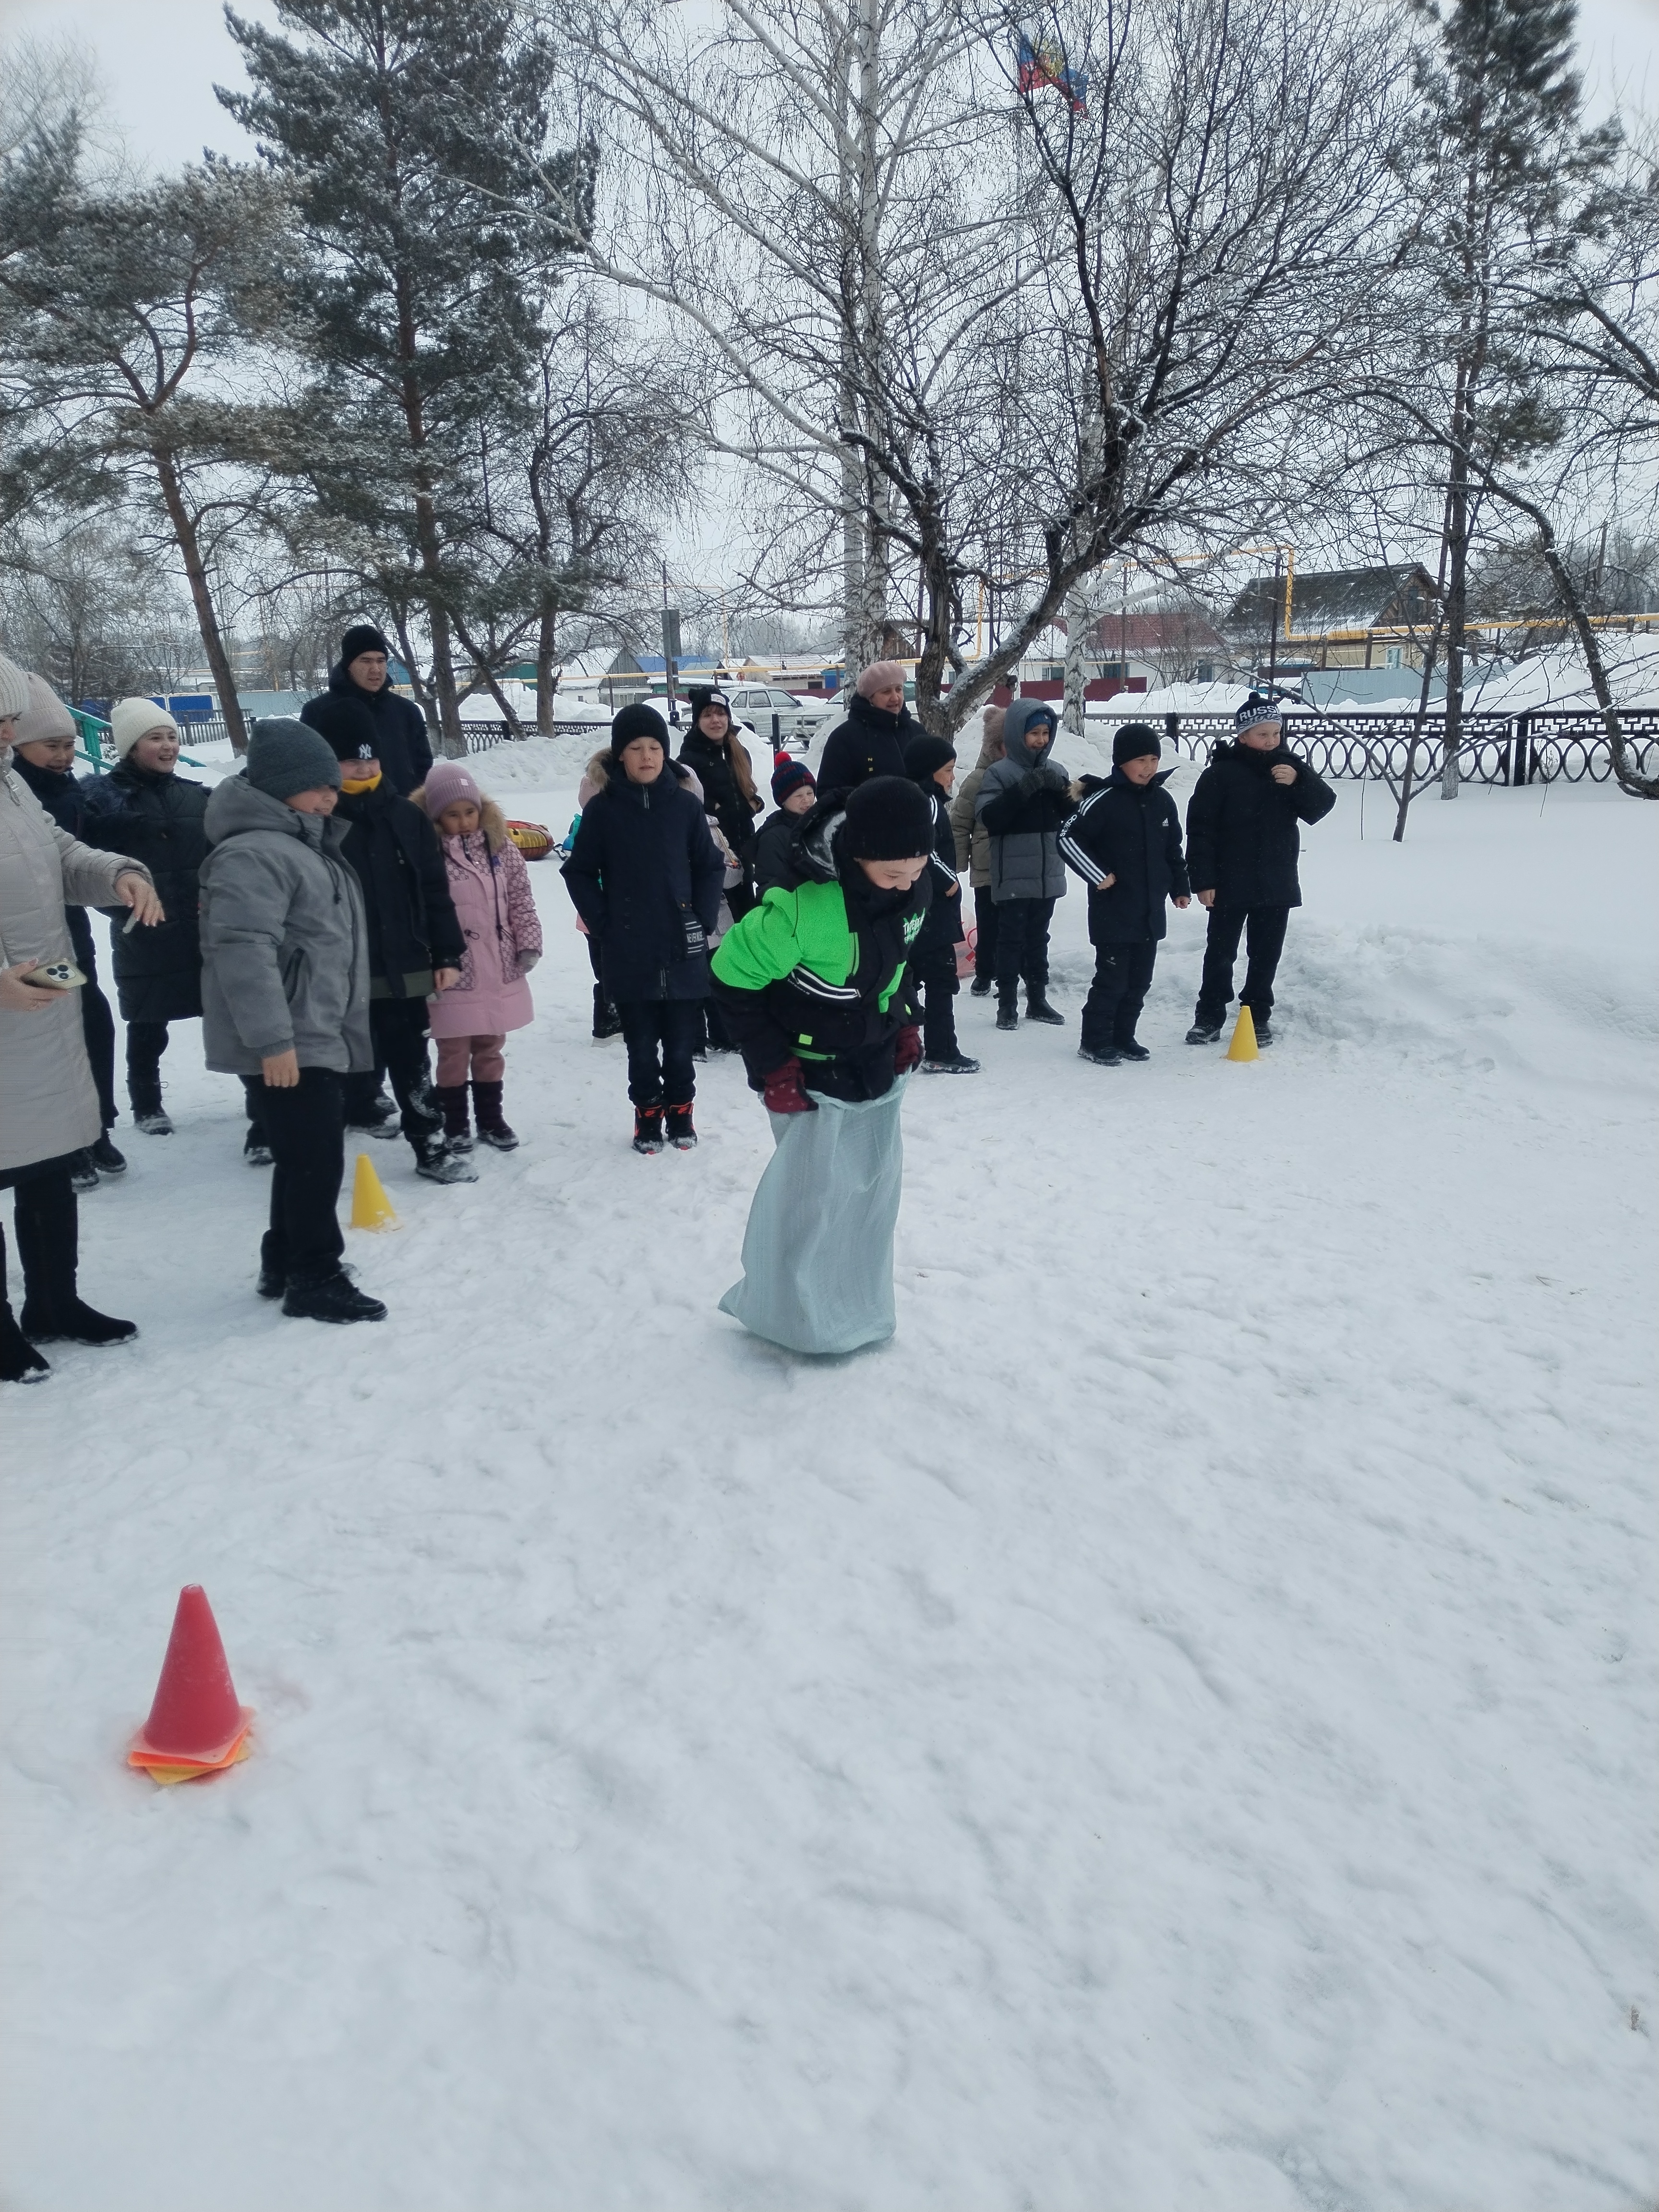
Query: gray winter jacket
284, 943
1024, 824
48, 1104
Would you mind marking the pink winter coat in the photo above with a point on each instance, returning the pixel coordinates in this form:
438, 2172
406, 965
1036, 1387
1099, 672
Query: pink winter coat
496, 909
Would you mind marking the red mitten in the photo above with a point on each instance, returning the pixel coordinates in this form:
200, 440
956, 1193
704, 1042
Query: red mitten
908, 1052
786, 1091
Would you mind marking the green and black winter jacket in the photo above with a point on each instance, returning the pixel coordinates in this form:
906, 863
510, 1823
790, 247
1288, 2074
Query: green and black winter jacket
822, 974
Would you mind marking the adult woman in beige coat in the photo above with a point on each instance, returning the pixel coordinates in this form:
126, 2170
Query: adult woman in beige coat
48, 1103
973, 853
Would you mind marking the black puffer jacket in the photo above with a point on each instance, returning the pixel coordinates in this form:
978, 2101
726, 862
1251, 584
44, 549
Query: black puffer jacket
774, 844
157, 819
401, 743
1242, 840
66, 802
1132, 833
723, 797
943, 924
645, 876
399, 862
870, 742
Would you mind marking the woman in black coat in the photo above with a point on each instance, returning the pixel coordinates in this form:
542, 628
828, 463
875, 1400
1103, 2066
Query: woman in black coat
1124, 840
645, 876
719, 759
145, 808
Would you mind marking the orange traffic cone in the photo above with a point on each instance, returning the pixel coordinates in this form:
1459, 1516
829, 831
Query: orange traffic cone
1244, 1045
195, 1726
370, 1207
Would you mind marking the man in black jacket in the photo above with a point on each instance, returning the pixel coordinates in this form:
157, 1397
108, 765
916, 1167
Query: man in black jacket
1124, 842
1242, 849
414, 944
872, 739
360, 683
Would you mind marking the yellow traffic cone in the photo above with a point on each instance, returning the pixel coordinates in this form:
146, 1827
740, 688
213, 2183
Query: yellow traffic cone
370, 1207
1243, 1045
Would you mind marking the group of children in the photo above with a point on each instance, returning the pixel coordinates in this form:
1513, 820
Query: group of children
325, 922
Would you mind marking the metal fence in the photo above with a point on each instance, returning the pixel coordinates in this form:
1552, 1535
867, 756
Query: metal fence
1557, 745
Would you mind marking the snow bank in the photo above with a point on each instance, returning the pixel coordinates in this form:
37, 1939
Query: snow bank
1175, 1728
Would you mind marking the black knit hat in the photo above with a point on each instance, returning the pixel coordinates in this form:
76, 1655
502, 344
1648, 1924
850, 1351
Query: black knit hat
638, 721
363, 637
347, 725
1134, 742
791, 775
887, 819
699, 695
925, 754
1256, 708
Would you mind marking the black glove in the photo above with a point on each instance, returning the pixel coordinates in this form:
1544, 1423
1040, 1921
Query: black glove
1031, 783
1055, 778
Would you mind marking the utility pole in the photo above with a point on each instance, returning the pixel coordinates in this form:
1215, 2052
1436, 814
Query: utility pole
670, 647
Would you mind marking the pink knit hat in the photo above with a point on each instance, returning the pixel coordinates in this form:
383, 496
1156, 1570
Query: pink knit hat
448, 781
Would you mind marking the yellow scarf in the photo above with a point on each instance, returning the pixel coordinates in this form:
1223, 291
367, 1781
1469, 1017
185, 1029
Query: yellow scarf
347, 786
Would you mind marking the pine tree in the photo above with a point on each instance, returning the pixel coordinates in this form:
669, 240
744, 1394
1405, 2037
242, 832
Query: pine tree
1502, 167
405, 131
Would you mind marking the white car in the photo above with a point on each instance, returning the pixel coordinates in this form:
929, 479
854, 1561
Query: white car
778, 716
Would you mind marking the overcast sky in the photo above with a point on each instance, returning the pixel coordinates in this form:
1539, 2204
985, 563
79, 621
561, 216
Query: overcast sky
159, 60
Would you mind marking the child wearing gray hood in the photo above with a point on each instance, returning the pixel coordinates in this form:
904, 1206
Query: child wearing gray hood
285, 997
1022, 803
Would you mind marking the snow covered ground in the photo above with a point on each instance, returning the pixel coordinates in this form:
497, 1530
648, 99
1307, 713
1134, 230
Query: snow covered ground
1173, 1728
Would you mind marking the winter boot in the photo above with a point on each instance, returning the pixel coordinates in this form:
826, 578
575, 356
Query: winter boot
951, 1063
1203, 1033
1131, 1050
1264, 1030
47, 1245
681, 1135
154, 1120
458, 1131
1109, 1057
1008, 1014
256, 1153
437, 1164
336, 1298
647, 1129
492, 1127
381, 1118
1038, 1008
82, 1174
106, 1159
980, 988
607, 1022
19, 1360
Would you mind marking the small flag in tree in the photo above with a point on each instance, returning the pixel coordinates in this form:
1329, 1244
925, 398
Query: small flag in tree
1043, 67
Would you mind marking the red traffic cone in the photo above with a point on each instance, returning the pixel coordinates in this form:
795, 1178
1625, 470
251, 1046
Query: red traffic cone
195, 1726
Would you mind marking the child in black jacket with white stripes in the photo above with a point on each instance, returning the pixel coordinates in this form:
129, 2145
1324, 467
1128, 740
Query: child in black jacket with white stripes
931, 763
1124, 840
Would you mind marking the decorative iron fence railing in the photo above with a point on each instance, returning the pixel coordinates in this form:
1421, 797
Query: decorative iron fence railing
1557, 745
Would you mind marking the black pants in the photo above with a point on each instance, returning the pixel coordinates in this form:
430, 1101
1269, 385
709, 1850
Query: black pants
936, 977
398, 1027
254, 1092
47, 1223
98, 1027
661, 1035
146, 1042
305, 1129
1022, 945
1123, 975
1262, 928
985, 911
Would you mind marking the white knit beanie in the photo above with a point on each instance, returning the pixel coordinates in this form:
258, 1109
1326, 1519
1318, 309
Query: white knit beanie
132, 719
13, 689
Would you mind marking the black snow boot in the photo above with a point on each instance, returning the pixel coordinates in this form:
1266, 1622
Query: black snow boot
19, 1360
1203, 1033
681, 1135
492, 1124
1109, 1057
1038, 1008
106, 1159
436, 1162
954, 1062
1131, 1050
607, 1022
1008, 1014
83, 1177
336, 1298
980, 988
458, 1130
48, 1235
647, 1129
1264, 1030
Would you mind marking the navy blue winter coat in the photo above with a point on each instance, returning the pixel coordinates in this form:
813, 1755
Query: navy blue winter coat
645, 876
1132, 833
1242, 843
401, 743
158, 821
